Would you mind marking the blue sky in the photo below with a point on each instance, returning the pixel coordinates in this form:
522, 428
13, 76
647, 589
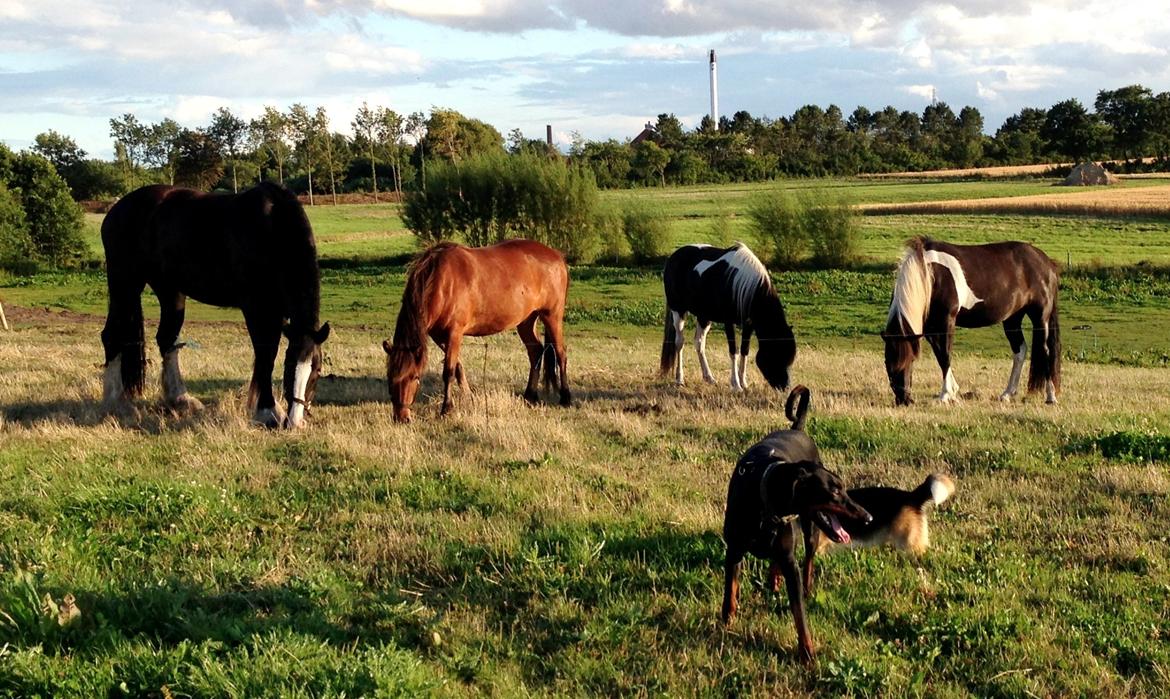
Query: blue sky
598, 67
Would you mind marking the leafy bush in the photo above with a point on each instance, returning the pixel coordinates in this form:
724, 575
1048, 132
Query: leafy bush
831, 226
775, 223
492, 197
16, 246
646, 231
611, 236
787, 228
52, 221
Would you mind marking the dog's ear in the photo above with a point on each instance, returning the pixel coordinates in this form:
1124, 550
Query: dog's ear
802, 473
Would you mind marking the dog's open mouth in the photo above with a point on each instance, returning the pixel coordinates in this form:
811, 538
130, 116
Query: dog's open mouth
829, 523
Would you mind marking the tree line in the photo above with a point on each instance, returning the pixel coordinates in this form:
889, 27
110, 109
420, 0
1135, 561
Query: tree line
387, 152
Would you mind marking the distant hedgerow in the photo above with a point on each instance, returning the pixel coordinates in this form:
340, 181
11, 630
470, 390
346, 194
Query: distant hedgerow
495, 196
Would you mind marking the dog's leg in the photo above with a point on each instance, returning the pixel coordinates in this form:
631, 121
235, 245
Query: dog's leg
784, 555
810, 552
731, 568
774, 577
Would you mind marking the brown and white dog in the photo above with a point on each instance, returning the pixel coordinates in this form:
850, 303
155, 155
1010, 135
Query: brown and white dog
778, 479
897, 519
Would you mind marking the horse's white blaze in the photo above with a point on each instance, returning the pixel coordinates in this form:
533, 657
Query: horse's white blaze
112, 381
701, 347
749, 275
679, 324
296, 414
967, 297
172, 379
911, 291
1014, 379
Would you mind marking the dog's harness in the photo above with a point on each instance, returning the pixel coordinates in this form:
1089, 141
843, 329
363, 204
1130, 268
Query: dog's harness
770, 523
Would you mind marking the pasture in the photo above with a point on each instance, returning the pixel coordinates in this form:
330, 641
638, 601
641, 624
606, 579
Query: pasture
518, 550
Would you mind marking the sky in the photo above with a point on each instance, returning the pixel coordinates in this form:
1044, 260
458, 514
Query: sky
601, 68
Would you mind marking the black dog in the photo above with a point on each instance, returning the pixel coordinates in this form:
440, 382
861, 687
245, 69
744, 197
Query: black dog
778, 479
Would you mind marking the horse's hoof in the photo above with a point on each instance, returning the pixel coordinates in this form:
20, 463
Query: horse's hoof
447, 410
531, 397
186, 404
122, 409
1005, 398
709, 379
267, 418
566, 400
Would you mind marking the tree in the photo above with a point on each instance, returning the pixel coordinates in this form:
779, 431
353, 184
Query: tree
389, 129
651, 159
53, 219
321, 123
452, 136
365, 127
130, 144
68, 159
162, 147
1126, 111
416, 126
199, 163
1018, 141
16, 246
1071, 131
302, 129
967, 143
228, 132
270, 132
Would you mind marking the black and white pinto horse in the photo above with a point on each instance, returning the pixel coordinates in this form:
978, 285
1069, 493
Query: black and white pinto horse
940, 285
729, 286
254, 251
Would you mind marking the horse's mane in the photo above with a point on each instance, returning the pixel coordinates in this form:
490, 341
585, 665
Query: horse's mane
912, 288
410, 332
294, 242
749, 278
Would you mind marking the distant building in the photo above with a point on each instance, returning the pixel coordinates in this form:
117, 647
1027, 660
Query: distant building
648, 134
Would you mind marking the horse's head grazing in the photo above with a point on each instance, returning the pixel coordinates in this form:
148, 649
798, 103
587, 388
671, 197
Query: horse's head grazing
404, 366
302, 367
775, 357
902, 347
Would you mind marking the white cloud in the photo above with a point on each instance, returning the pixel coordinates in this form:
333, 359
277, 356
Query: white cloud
985, 92
926, 91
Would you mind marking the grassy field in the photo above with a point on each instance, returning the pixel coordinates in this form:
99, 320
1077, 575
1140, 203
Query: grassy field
513, 551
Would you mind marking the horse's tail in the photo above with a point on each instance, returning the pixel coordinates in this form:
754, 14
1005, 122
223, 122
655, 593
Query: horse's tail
669, 346
1046, 352
797, 412
552, 363
123, 336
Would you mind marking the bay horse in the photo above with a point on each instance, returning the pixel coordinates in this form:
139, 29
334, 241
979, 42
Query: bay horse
453, 291
729, 286
254, 251
940, 285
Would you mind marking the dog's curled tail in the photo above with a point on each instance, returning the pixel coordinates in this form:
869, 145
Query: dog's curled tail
935, 489
797, 413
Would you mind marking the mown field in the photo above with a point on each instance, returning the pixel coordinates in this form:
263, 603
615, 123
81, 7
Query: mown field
517, 550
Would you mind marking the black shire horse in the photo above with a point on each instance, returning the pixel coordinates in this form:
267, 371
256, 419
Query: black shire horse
253, 251
940, 285
729, 286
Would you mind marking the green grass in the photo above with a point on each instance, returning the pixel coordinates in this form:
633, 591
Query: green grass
512, 550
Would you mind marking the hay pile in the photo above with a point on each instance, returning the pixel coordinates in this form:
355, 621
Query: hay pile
1089, 174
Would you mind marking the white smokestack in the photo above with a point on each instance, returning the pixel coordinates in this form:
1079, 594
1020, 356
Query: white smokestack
714, 93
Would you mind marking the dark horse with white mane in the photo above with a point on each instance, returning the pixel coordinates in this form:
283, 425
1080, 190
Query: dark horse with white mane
253, 251
729, 286
940, 285
453, 291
